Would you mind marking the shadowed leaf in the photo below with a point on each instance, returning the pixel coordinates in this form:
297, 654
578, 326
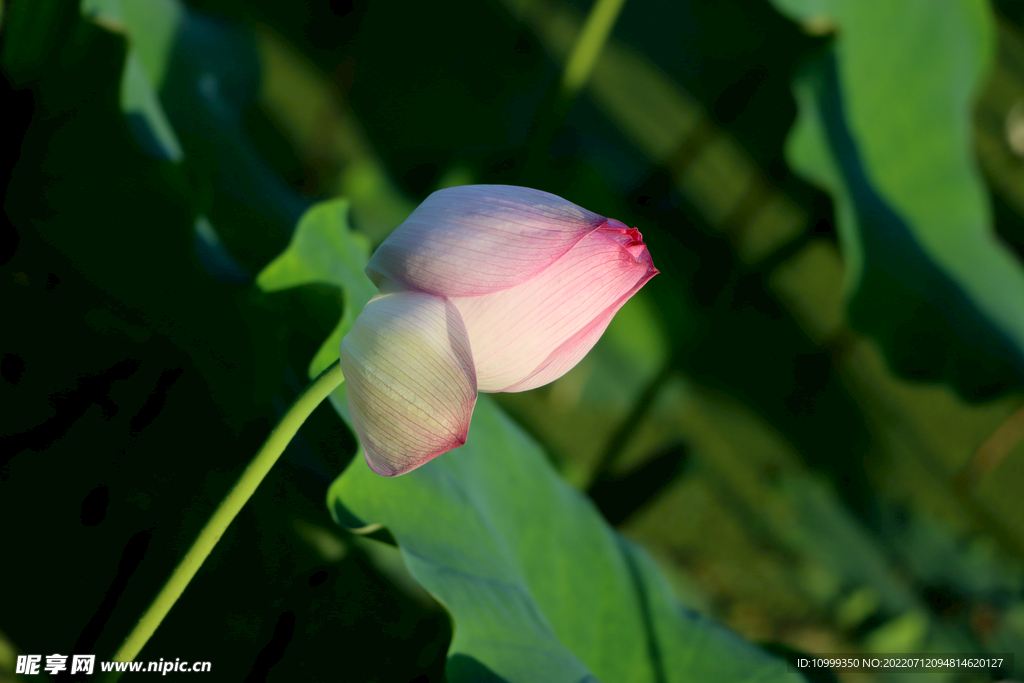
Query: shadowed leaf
324, 249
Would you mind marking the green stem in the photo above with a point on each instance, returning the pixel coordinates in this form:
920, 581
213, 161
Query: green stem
280, 436
588, 45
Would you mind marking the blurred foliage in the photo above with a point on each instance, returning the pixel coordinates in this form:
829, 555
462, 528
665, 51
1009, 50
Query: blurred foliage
150, 30
782, 459
925, 271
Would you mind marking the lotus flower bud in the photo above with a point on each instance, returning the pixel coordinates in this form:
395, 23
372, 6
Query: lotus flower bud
483, 288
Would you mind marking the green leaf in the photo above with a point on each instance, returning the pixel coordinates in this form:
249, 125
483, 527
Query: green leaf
808, 150
151, 28
885, 125
325, 250
538, 585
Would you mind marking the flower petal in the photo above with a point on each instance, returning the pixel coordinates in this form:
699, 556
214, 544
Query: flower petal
409, 379
571, 351
532, 334
479, 239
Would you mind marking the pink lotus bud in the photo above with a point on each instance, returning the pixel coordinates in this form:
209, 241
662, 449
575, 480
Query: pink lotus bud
482, 288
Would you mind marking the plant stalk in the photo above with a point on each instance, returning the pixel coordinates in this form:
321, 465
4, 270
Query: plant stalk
279, 437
